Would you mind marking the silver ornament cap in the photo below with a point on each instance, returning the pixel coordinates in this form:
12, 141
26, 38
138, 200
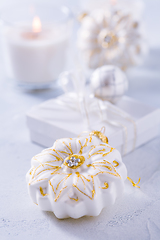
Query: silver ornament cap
109, 83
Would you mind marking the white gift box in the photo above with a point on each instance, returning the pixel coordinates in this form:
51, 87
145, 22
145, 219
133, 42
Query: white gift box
128, 124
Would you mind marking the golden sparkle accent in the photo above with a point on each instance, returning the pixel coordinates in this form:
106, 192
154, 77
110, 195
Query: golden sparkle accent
116, 163
79, 176
47, 163
82, 178
30, 173
105, 186
56, 169
82, 146
59, 193
83, 192
75, 199
93, 191
35, 159
88, 180
58, 158
63, 179
97, 152
134, 184
48, 169
101, 151
69, 147
34, 172
56, 196
56, 151
102, 145
46, 152
42, 193
105, 154
34, 181
96, 165
100, 164
64, 152
82, 160
100, 135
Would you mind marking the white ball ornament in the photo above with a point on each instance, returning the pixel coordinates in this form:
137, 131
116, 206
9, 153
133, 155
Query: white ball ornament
109, 83
77, 177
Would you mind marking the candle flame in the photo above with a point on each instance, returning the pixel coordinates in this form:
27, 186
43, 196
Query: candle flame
36, 25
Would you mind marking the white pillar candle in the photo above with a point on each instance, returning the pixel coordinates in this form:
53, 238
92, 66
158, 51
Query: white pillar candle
35, 55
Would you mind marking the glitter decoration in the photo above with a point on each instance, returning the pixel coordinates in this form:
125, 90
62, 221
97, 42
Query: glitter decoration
77, 176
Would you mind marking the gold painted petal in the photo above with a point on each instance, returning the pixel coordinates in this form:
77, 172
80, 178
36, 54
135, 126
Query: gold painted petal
84, 186
94, 140
43, 171
48, 157
65, 147
60, 184
99, 135
82, 145
99, 151
102, 168
85, 144
106, 186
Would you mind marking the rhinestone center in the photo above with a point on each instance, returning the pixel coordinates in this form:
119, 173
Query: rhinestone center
74, 161
107, 39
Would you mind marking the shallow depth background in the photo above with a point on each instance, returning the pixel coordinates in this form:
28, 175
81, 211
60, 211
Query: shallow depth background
135, 216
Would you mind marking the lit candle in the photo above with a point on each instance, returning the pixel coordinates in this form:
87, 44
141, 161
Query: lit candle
35, 56
36, 29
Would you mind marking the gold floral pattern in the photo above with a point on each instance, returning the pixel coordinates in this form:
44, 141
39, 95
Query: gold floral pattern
52, 175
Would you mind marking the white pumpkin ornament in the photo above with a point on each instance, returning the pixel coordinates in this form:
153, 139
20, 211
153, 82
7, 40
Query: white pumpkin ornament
109, 83
77, 177
112, 35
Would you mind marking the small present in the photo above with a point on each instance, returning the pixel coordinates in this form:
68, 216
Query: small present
128, 124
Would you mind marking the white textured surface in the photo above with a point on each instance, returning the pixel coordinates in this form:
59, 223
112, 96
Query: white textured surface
135, 216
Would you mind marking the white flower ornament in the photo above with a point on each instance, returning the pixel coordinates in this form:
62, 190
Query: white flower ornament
77, 177
112, 36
